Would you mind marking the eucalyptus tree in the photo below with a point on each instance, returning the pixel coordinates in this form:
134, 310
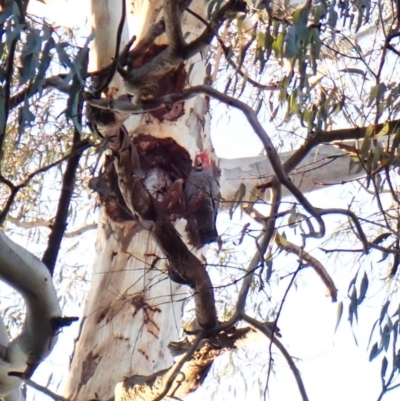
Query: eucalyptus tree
318, 77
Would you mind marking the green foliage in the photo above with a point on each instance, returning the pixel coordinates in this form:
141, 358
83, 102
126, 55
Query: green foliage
36, 135
324, 69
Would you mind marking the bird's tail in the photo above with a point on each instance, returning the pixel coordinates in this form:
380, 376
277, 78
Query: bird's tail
207, 236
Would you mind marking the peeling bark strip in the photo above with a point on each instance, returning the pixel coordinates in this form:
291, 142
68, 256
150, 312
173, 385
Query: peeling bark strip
188, 379
188, 373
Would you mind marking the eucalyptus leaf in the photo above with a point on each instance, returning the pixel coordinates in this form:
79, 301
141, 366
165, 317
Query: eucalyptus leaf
375, 351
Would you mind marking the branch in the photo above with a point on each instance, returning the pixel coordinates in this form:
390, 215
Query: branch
228, 10
29, 224
187, 374
47, 224
173, 28
45, 390
56, 81
315, 263
351, 215
147, 75
320, 137
155, 30
67, 190
30, 277
226, 51
258, 257
152, 33
81, 230
84, 144
266, 331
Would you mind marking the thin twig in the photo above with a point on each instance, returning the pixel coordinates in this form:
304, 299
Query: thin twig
45, 390
114, 66
267, 332
229, 60
178, 366
85, 144
315, 263
262, 247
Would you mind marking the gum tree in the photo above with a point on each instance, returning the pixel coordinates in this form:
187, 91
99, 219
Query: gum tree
137, 100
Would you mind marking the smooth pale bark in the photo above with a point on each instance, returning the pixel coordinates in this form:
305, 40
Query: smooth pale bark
133, 309
323, 165
131, 314
29, 276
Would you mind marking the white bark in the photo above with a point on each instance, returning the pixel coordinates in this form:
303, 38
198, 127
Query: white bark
16, 394
104, 15
324, 165
30, 277
130, 305
133, 309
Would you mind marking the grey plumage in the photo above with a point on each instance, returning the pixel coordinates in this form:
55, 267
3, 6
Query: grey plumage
202, 194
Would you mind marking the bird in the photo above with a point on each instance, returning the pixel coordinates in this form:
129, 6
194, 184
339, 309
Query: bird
203, 196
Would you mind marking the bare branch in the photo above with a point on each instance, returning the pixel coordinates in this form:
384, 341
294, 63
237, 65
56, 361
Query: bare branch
168, 59
315, 263
83, 145
47, 224
45, 390
59, 225
258, 257
56, 81
30, 277
354, 218
228, 10
319, 137
226, 51
81, 230
266, 331
172, 16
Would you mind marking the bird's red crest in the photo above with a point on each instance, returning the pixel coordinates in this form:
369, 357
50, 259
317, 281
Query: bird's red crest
202, 161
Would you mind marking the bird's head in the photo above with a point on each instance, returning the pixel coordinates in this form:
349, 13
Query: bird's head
202, 161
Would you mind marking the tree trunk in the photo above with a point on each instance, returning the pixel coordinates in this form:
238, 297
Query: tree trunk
133, 309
